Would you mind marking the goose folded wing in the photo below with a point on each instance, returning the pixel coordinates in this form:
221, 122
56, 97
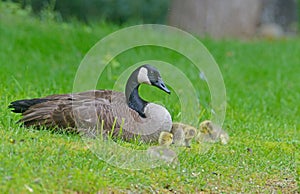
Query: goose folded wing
67, 112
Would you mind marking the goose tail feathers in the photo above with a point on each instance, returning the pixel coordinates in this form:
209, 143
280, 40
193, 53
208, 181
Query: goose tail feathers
20, 106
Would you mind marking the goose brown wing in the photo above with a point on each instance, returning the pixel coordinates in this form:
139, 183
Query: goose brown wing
91, 114
49, 114
69, 110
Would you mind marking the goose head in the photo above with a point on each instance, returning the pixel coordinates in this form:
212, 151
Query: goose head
151, 76
145, 74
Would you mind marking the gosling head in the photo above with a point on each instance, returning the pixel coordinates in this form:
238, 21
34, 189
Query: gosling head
148, 74
165, 138
189, 133
206, 127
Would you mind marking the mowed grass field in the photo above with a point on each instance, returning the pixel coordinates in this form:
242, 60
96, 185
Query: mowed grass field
38, 58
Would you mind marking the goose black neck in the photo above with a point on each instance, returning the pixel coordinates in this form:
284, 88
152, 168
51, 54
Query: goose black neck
133, 98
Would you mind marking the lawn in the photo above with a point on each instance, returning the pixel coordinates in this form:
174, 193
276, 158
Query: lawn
38, 58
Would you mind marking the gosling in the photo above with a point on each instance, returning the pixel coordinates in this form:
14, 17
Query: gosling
165, 139
163, 152
210, 132
183, 134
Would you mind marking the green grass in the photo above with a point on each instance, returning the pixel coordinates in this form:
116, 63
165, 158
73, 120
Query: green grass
262, 82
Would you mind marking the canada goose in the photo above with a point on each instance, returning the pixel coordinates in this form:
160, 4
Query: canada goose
126, 115
210, 132
165, 139
183, 134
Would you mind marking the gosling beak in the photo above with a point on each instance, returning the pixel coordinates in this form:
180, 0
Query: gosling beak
161, 85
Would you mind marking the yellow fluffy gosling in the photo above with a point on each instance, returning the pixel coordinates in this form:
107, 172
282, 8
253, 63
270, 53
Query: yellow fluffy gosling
165, 139
210, 132
183, 134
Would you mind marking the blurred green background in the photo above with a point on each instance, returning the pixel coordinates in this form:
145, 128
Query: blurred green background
281, 17
116, 11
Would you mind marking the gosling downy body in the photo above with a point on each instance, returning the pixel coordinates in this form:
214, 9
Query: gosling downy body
183, 134
99, 111
162, 152
165, 139
210, 132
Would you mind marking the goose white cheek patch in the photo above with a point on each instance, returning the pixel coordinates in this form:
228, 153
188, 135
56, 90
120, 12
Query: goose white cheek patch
143, 76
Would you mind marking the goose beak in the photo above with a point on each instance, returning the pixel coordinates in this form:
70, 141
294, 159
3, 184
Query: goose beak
161, 85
